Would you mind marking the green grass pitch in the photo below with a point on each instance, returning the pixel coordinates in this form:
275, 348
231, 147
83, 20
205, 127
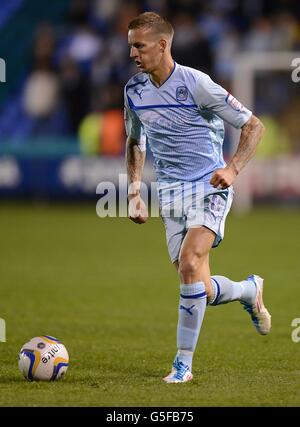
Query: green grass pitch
106, 288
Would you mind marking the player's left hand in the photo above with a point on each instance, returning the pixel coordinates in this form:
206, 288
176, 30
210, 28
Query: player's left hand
137, 209
223, 178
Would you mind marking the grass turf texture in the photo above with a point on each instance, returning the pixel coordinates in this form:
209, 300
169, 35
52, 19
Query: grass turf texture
106, 288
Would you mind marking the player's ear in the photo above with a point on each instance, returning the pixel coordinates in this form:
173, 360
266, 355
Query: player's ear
162, 45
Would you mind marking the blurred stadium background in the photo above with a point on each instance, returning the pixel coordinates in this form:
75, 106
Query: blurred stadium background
66, 65
61, 133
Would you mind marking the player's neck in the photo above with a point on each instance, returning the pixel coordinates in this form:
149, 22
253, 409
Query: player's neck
159, 76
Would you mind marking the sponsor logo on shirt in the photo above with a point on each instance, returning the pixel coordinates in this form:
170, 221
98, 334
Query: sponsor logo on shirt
139, 92
234, 103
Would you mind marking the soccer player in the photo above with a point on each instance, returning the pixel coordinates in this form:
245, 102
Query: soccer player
180, 112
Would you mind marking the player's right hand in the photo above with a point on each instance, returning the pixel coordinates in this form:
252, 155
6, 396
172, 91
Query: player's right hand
137, 211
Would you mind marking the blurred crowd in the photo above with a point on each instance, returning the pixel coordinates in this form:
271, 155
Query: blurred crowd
79, 66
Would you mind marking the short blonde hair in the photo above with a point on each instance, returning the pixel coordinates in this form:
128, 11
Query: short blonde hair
153, 21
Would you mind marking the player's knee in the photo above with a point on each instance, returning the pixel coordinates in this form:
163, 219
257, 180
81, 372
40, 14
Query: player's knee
188, 266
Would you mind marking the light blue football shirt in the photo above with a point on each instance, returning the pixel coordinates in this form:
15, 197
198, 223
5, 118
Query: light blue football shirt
182, 121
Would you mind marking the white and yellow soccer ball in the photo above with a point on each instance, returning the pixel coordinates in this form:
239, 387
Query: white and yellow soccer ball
43, 358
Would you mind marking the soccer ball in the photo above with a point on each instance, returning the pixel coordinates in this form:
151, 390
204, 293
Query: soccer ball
43, 358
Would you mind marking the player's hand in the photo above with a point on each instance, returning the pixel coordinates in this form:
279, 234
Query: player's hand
223, 178
137, 211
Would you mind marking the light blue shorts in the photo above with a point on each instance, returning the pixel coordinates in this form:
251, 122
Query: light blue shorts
185, 205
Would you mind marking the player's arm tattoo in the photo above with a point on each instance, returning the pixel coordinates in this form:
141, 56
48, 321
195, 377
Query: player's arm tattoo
251, 134
135, 159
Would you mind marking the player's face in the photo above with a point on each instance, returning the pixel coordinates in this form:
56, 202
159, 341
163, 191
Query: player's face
145, 49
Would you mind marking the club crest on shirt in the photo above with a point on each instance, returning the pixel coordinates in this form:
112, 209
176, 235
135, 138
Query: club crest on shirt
234, 103
181, 93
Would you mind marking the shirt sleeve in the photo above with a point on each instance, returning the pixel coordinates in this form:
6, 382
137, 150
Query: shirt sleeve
211, 96
133, 125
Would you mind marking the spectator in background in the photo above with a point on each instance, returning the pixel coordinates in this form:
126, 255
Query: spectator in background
272, 33
260, 36
75, 89
285, 31
42, 102
82, 46
43, 106
103, 14
224, 52
189, 45
78, 12
43, 47
45, 83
